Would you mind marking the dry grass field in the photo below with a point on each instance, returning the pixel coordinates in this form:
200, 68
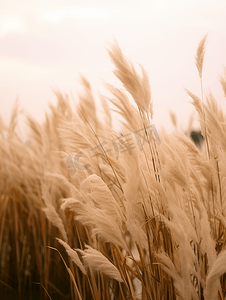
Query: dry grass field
90, 213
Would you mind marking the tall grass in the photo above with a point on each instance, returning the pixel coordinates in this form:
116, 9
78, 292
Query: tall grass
90, 213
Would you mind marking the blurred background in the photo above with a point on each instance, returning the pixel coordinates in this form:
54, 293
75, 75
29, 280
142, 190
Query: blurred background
46, 45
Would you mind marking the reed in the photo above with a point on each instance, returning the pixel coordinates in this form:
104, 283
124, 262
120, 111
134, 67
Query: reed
132, 215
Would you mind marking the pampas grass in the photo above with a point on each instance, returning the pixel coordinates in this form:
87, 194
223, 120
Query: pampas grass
132, 215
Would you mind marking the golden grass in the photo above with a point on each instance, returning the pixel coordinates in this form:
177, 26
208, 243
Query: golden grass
131, 215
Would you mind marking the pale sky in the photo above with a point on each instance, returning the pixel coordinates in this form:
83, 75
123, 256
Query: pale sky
47, 44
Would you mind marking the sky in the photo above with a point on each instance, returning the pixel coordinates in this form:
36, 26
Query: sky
47, 45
